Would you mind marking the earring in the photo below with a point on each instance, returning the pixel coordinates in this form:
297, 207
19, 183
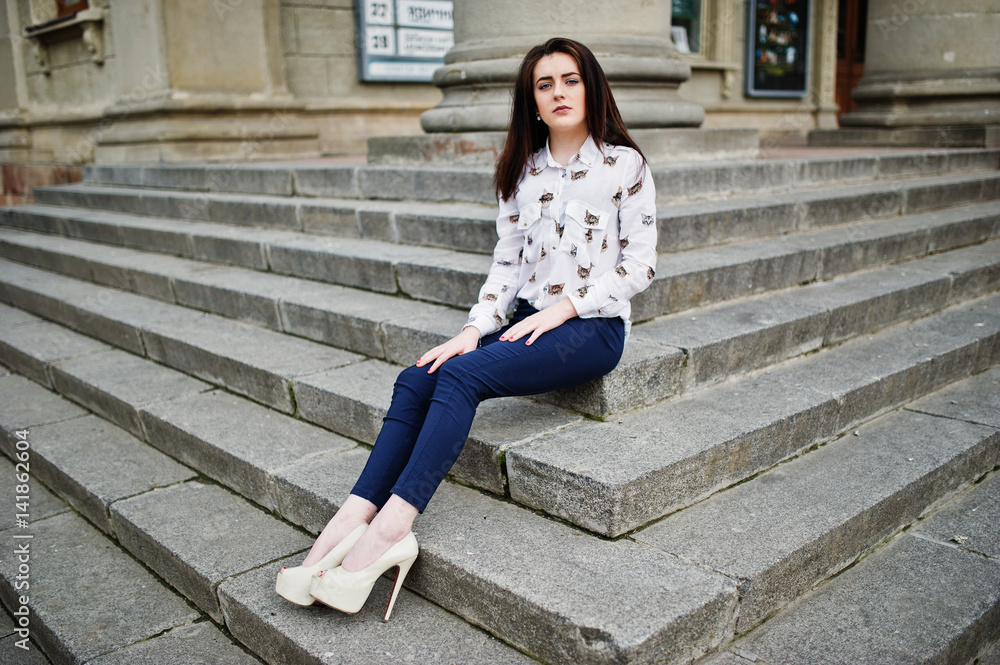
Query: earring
537, 116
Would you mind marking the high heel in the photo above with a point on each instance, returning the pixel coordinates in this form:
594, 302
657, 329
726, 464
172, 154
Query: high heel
347, 591
293, 583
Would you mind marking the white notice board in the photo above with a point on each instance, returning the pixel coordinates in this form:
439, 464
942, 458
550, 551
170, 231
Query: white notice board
403, 40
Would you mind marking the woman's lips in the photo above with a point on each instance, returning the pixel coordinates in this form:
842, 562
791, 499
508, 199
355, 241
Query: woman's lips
561, 109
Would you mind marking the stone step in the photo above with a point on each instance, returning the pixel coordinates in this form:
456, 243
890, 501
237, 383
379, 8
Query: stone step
474, 185
667, 355
357, 322
684, 280
469, 563
932, 595
614, 477
803, 521
93, 600
947, 453
472, 228
352, 396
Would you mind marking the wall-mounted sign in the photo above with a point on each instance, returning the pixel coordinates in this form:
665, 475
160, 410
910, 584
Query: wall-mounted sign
777, 41
402, 40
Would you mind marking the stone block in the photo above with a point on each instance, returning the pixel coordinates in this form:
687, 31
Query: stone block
252, 179
468, 234
43, 502
848, 250
11, 317
376, 224
913, 600
411, 332
325, 31
823, 171
615, 476
729, 339
356, 263
31, 347
330, 218
332, 180
195, 536
344, 318
975, 400
855, 203
419, 631
259, 211
979, 224
116, 385
647, 373
947, 191
464, 185
704, 223
93, 464
113, 174
30, 656
974, 271
911, 164
195, 643
350, 400
39, 292
447, 278
248, 360
652, 605
235, 293
149, 234
308, 491
233, 245
785, 531
26, 404
80, 612
183, 177
968, 520
234, 441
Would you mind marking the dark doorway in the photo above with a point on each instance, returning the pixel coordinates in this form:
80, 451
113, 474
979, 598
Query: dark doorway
852, 24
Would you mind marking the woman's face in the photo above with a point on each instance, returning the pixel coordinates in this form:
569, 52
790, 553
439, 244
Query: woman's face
559, 93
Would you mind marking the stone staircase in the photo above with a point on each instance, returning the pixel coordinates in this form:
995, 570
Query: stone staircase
202, 356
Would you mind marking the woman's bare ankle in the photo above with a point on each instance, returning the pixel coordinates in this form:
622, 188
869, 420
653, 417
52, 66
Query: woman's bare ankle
354, 512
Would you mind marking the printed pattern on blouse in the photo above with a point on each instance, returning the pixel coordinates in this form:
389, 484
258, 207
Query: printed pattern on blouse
557, 236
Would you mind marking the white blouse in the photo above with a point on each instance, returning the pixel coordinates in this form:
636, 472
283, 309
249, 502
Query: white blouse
586, 230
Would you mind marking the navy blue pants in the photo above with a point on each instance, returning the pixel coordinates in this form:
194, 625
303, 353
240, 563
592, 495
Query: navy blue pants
430, 415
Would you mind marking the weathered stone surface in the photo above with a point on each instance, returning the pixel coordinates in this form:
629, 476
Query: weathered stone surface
42, 502
93, 464
195, 536
261, 211
912, 601
234, 245
418, 631
795, 525
653, 606
196, 643
11, 646
612, 477
704, 223
235, 441
236, 293
975, 400
345, 318
116, 385
958, 189
31, 347
309, 490
969, 520
336, 218
469, 229
274, 180
408, 333
329, 180
11, 317
78, 611
26, 404
339, 261
252, 361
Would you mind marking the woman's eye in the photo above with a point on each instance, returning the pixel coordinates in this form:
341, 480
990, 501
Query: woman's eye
571, 81
544, 86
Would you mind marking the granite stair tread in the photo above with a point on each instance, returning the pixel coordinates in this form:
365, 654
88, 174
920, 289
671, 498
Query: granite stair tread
932, 595
671, 354
470, 226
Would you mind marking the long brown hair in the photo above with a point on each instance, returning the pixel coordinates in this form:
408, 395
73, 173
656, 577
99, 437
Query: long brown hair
526, 135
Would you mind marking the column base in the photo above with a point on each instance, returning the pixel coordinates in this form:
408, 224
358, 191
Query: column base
935, 137
481, 149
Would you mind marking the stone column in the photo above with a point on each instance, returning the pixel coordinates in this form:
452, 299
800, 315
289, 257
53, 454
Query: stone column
630, 39
932, 73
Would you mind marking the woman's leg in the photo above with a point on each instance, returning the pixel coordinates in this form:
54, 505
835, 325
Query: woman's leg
410, 399
578, 351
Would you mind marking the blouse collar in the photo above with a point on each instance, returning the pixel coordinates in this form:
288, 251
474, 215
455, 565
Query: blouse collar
588, 154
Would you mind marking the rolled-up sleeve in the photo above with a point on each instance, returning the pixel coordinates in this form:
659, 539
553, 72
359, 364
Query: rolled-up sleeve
609, 293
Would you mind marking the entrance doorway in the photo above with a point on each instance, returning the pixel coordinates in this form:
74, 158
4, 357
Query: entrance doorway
852, 24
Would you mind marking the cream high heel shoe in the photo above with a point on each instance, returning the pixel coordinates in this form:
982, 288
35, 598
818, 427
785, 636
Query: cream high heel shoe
293, 583
347, 591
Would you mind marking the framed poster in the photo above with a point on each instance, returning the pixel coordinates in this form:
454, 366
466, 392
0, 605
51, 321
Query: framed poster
777, 58
402, 40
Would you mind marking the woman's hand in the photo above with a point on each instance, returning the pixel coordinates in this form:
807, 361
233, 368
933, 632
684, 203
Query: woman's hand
551, 317
463, 342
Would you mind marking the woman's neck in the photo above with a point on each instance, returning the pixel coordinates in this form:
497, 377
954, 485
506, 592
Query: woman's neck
563, 145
